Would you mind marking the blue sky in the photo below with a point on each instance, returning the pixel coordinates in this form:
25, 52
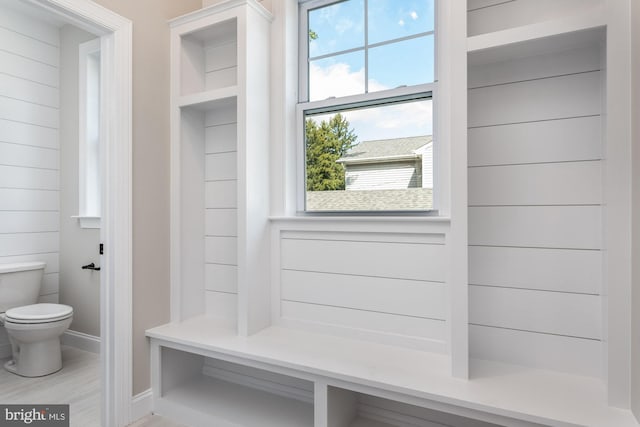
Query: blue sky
341, 27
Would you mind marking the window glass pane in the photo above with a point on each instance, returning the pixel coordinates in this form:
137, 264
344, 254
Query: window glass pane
408, 62
392, 19
339, 75
335, 28
376, 158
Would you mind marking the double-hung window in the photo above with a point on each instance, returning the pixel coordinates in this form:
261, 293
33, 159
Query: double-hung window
366, 101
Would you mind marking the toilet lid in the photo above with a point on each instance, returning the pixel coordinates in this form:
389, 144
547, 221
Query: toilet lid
39, 313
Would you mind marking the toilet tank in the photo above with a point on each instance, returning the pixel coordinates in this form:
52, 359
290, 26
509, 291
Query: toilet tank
20, 284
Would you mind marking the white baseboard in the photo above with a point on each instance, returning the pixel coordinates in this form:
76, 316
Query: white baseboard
81, 341
141, 405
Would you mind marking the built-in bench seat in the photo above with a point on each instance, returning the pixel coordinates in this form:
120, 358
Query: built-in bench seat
304, 376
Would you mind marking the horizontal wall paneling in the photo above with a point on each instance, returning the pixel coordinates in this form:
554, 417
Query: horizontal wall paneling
395, 296
535, 198
28, 221
52, 259
221, 194
562, 227
222, 306
26, 46
576, 95
29, 178
27, 112
221, 166
561, 270
554, 64
221, 138
28, 134
565, 140
29, 91
543, 351
221, 278
28, 243
426, 334
28, 200
555, 313
376, 259
578, 183
28, 156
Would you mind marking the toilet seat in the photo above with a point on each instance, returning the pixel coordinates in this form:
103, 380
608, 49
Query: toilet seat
38, 313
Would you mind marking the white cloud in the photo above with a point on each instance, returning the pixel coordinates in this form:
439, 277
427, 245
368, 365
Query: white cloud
401, 23
334, 80
414, 15
400, 120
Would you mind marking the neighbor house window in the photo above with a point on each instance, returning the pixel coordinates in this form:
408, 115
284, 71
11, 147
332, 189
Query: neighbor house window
89, 134
367, 79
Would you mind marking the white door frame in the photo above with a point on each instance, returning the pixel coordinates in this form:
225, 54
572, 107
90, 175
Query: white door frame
116, 263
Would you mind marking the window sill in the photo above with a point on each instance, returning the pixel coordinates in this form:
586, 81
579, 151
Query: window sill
421, 219
91, 222
367, 224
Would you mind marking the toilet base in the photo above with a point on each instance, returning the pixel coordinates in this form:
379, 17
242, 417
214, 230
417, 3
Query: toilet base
36, 348
30, 363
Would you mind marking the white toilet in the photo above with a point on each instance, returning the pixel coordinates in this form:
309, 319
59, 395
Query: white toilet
34, 329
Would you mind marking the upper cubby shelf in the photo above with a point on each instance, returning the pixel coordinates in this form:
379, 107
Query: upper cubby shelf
584, 27
209, 59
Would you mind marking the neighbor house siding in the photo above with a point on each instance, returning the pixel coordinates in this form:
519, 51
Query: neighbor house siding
383, 176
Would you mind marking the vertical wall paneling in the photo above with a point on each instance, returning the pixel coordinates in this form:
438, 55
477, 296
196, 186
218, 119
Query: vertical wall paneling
536, 207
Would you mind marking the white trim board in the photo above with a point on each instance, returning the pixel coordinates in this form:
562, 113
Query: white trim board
81, 341
141, 405
116, 161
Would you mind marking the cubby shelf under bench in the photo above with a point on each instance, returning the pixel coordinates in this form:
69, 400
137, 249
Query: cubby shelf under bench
287, 377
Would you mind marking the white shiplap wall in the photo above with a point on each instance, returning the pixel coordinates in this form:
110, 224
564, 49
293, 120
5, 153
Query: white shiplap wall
29, 144
221, 228
535, 211
382, 286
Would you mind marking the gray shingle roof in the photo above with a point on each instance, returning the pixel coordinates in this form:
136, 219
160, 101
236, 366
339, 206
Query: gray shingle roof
385, 148
370, 200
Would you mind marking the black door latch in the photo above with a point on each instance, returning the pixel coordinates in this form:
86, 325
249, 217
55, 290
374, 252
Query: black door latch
91, 266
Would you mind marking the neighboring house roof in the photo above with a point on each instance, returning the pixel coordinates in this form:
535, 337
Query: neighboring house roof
386, 150
368, 200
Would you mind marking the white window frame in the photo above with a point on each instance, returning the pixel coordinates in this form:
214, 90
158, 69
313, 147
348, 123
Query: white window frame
88, 218
369, 99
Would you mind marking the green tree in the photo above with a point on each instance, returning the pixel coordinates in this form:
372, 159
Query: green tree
325, 144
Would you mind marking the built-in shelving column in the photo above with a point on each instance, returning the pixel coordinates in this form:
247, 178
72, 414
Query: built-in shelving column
219, 169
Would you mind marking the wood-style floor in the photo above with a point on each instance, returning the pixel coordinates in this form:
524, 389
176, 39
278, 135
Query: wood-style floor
78, 384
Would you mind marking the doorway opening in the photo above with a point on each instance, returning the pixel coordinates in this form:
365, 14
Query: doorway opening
42, 48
